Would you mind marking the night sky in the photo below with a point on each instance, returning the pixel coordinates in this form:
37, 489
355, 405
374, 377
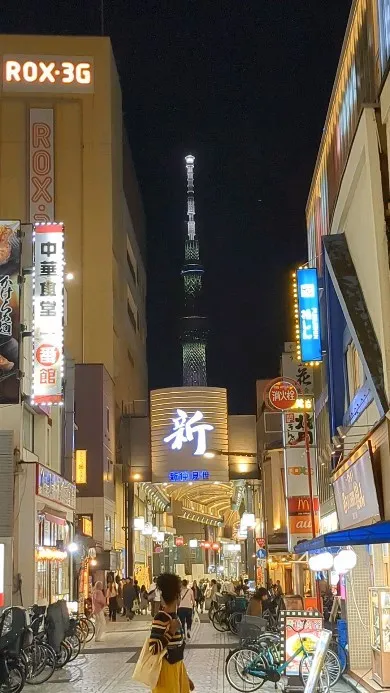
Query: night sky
244, 86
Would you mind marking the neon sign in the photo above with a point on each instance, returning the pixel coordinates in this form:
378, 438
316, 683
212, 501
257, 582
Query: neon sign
47, 72
185, 427
309, 315
193, 475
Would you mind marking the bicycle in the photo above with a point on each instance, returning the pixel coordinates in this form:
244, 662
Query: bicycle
254, 666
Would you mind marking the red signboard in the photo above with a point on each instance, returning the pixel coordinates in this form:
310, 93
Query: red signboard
260, 542
281, 395
179, 541
301, 504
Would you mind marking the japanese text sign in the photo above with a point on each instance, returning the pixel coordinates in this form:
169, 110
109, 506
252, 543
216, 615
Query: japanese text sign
9, 311
54, 487
192, 475
281, 395
355, 493
294, 429
309, 315
302, 373
81, 466
48, 313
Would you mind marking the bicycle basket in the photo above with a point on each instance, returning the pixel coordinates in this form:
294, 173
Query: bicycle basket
240, 604
222, 599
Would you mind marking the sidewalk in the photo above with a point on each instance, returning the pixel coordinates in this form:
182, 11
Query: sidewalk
107, 667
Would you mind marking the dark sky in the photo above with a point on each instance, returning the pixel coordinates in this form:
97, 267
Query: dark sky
244, 85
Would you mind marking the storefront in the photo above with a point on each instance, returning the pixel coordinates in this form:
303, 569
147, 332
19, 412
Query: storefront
362, 541
47, 503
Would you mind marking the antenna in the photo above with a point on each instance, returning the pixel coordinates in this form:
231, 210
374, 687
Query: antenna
102, 17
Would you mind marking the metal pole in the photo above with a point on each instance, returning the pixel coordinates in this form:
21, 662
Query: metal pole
311, 500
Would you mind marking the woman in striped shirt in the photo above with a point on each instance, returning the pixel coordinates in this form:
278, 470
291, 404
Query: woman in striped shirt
167, 633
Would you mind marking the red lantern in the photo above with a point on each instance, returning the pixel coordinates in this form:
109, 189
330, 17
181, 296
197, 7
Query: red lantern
207, 545
215, 546
179, 541
201, 544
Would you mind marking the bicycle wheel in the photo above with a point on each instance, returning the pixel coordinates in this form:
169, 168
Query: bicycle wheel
75, 645
64, 655
47, 667
16, 677
342, 653
220, 621
234, 622
323, 684
88, 625
236, 672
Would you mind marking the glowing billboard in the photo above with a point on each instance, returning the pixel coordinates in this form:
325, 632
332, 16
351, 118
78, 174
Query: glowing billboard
309, 315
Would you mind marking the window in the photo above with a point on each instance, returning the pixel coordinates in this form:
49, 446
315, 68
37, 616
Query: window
107, 528
107, 418
355, 372
131, 262
131, 316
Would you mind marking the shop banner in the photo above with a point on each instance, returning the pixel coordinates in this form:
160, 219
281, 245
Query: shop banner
298, 495
294, 429
48, 337
302, 373
41, 165
355, 492
299, 624
10, 258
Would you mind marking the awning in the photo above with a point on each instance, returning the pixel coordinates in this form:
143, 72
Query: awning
53, 515
378, 533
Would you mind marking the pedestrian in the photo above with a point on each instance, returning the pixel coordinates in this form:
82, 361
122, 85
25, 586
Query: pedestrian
186, 607
278, 589
129, 596
144, 604
98, 604
154, 597
137, 597
213, 597
111, 596
167, 633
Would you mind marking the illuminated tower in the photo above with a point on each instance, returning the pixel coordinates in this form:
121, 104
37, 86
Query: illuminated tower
194, 324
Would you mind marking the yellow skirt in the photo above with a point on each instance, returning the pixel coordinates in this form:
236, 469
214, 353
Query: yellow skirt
173, 678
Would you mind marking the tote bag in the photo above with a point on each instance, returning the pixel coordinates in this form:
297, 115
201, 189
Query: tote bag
148, 668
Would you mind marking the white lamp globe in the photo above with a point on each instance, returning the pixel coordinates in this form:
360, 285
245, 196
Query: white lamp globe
334, 578
314, 563
326, 560
345, 561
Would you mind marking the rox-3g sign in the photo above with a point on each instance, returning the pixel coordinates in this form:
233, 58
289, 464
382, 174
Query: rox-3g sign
47, 73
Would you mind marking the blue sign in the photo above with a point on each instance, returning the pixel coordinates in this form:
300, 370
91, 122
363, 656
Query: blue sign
261, 553
309, 315
193, 475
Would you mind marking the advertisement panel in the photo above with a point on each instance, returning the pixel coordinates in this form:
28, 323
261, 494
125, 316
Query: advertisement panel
298, 495
10, 256
298, 624
186, 424
309, 315
41, 193
48, 311
355, 492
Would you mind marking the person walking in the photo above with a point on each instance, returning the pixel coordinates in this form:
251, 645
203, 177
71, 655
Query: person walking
98, 604
197, 592
186, 607
154, 596
111, 596
129, 596
167, 633
144, 604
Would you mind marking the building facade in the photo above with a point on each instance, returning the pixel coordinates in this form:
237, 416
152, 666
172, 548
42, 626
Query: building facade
348, 243
64, 155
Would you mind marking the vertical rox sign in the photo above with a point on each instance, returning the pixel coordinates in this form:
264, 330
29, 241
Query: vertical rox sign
281, 394
41, 165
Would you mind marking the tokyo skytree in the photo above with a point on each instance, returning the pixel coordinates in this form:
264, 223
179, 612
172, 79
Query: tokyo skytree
194, 323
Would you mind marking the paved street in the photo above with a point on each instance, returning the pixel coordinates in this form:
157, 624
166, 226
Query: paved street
107, 667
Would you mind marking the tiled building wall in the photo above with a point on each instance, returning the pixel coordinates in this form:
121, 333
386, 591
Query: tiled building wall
358, 615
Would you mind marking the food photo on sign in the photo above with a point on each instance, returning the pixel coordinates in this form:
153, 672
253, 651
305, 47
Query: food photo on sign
10, 254
297, 629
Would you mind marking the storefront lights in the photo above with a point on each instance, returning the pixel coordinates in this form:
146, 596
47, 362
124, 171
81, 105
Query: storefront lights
345, 560
247, 520
148, 529
160, 536
139, 523
321, 561
72, 547
193, 543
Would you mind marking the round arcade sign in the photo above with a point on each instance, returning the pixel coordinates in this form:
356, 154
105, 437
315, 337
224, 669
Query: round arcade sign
281, 394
